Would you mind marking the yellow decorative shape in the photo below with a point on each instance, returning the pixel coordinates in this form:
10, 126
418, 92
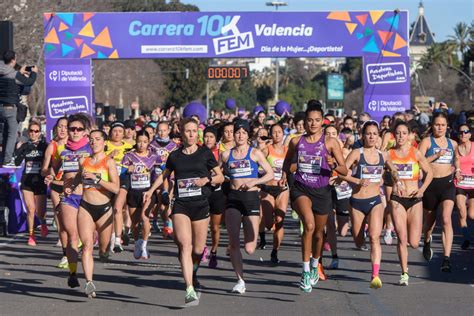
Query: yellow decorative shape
386, 53
62, 27
376, 15
87, 30
351, 27
114, 54
399, 42
86, 51
103, 39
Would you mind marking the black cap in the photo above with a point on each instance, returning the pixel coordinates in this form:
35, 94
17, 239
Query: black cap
210, 129
240, 123
130, 124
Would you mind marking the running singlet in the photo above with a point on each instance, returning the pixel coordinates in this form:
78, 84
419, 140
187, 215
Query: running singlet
122, 150
408, 167
276, 161
56, 159
143, 169
222, 148
187, 169
368, 171
33, 154
162, 150
99, 169
70, 158
447, 158
467, 171
312, 166
244, 168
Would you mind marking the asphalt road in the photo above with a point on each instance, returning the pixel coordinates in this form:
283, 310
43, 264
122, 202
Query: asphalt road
30, 284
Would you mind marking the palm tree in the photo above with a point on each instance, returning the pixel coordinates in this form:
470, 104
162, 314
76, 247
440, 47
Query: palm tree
439, 54
462, 37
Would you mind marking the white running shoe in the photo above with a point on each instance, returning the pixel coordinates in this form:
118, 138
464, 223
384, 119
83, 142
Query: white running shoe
388, 239
239, 287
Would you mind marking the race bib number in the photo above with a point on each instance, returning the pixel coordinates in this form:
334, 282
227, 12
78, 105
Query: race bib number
32, 167
467, 181
405, 171
309, 164
71, 162
446, 158
373, 173
240, 168
277, 169
343, 191
187, 188
140, 181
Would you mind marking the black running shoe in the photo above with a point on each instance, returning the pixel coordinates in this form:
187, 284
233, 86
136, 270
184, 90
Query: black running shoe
125, 239
446, 265
262, 244
72, 281
196, 283
465, 244
274, 257
427, 251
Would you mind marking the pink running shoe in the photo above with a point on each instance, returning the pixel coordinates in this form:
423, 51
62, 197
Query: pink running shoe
205, 255
32, 241
44, 230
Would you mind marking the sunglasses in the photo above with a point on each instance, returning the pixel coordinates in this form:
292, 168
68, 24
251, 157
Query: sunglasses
76, 129
34, 131
465, 132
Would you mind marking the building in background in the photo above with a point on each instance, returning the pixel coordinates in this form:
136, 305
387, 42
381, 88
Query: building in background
421, 38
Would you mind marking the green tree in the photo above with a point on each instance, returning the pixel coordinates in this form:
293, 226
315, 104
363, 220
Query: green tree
462, 37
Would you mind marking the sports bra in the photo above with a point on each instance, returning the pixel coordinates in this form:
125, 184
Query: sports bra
408, 167
245, 168
100, 169
276, 161
447, 158
364, 170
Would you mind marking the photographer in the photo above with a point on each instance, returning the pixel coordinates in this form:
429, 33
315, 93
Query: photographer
12, 83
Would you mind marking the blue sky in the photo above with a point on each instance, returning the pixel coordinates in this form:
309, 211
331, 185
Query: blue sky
442, 15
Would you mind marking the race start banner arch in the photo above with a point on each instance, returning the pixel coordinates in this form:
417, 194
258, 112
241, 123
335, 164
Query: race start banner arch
71, 40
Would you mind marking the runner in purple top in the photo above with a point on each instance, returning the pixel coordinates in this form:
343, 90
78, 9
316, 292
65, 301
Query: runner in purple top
141, 172
316, 156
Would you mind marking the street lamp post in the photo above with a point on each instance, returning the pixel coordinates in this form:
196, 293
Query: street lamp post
276, 5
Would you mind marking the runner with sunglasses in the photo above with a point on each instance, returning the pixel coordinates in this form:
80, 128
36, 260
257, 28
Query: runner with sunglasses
465, 187
32, 186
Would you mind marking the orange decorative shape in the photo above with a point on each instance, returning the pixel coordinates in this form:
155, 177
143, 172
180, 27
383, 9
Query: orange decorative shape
386, 53
399, 42
362, 18
78, 41
86, 51
385, 36
376, 15
52, 37
62, 27
47, 16
87, 16
103, 39
114, 54
351, 27
339, 16
87, 30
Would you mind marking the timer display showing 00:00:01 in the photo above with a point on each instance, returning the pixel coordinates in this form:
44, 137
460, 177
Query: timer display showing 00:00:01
227, 72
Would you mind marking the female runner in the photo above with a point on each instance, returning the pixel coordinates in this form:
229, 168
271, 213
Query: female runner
407, 210
442, 154
311, 193
243, 203
33, 187
192, 166
366, 203
275, 193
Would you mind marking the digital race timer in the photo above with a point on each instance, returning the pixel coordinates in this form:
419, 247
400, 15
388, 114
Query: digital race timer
227, 72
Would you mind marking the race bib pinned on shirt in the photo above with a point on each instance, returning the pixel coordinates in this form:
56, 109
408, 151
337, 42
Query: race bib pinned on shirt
309, 164
140, 181
32, 167
373, 173
446, 158
240, 168
187, 188
405, 171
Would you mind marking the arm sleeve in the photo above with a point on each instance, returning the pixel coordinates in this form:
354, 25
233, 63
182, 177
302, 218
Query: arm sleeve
26, 81
20, 153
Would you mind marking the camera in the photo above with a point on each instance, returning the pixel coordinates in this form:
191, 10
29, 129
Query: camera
28, 68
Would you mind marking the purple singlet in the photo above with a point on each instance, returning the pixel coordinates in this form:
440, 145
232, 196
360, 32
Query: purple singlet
312, 168
144, 169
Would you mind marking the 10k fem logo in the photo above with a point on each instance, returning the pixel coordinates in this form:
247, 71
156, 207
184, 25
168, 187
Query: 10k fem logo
233, 43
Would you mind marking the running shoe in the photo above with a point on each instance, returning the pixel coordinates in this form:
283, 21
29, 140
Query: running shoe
44, 230
118, 248
72, 281
321, 273
327, 246
387, 237
274, 257
59, 243
125, 239
446, 265
63, 264
155, 226
427, 251
168, 233
301, 228
145, 255
191, 295
89, 289
334, 265
213, 260
364, 247
465, 244
32, 240
294, 215
137, 253
104, 257
404, 279
263, 244
205, 255
239, 287
313, 277
305, 283
376, 283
